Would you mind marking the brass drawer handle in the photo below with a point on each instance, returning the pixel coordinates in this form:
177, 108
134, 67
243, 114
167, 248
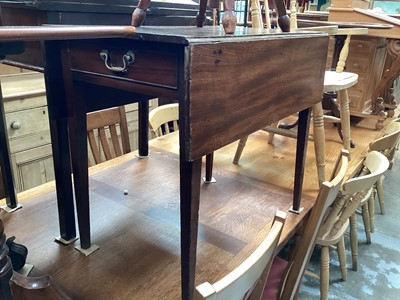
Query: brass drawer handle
127, 59
359, 46
356, 65
15, 125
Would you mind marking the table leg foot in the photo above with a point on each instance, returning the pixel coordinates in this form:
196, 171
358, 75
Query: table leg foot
10, 210
25, 270
209, 181
59, 239
296, 211
142, 156
87, 251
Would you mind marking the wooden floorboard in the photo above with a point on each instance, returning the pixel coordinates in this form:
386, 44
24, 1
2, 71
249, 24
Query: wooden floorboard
138, 233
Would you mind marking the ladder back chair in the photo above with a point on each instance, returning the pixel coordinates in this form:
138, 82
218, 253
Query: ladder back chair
164, 119
239, 283
387, 145
285, 276
101, 122
333, 229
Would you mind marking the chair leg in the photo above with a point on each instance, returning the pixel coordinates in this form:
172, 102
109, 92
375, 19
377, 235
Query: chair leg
354, 241
345, 118
371, 210
342, 258
379, 191
319, 140
239, 149
324, 273
365, 216
271, 134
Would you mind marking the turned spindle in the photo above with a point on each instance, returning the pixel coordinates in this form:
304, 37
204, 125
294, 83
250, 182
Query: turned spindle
139, 14
6, 270
229, 19
283, 18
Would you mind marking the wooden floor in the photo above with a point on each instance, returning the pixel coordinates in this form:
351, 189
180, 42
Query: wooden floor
138, 233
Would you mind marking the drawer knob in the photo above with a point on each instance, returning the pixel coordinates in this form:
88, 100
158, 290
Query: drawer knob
359, 46
356, 65
15, 125
127, 59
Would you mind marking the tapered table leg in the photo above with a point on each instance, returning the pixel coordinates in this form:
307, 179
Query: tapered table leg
55, 93
190, 176
301, 151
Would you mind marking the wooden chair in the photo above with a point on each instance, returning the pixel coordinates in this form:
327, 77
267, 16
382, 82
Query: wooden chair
285, 277
164, 119
332, 231
97, 124
239, 283
387, 145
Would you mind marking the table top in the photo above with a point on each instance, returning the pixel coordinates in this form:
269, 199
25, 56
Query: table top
139, 234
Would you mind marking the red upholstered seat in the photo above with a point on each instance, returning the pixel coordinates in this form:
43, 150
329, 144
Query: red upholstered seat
271, 289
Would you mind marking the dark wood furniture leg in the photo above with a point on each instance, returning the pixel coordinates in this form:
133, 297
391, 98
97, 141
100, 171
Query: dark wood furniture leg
143, 138
301, 150
209, 167
190, 173
5, 161
79, 154
60, 142
201, 15
6, 270
139, 14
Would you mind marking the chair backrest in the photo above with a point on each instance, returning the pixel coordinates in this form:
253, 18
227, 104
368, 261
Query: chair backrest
388, 143
328, 192
164, 119
352, 192
97, 124
239, 283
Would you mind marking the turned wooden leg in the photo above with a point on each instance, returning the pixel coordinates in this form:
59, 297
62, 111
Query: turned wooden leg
229, 19
345, 118
239, 149
379, 192
139, 14
365, 216
354, 241
342, 258
324, 273
319, 140
371, 210
6, 270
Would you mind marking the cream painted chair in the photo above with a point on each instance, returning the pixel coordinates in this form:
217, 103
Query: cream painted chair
101, 128
352, 193
387, 145
239, 283
164, 119
285, 277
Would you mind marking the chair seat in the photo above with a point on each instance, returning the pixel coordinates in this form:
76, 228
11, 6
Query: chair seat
334, 81
273, 283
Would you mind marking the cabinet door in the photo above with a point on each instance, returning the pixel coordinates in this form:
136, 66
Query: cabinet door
33, 167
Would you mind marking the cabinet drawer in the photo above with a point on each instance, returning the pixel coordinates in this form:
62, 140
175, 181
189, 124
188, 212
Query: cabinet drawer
27, 122
357, 65
361, 47
151, 66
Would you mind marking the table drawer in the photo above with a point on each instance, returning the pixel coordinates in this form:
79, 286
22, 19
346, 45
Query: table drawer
150, 66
